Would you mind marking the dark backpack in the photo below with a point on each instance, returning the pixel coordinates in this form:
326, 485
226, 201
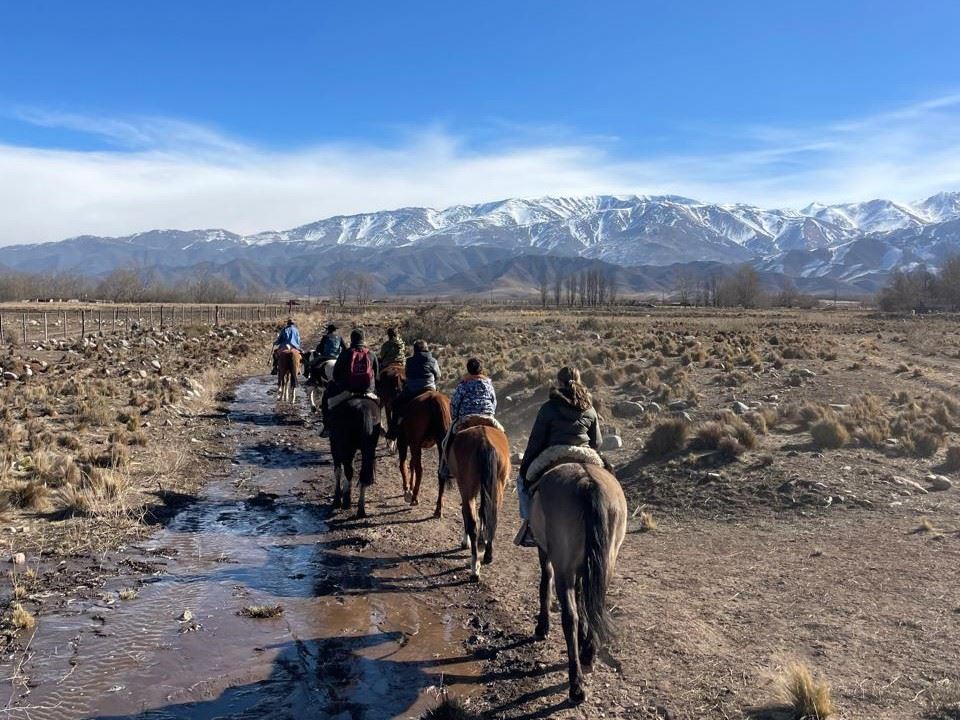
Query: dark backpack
360, 377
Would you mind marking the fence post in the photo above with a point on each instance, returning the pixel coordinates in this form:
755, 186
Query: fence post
24, 328
161, 317
46, 335
64, 321
1, 327
216, 315
100, 321
83, 323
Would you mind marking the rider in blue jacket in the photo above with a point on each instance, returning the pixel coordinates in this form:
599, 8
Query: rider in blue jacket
289, 336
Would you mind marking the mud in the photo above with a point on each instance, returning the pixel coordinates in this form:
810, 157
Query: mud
356, 638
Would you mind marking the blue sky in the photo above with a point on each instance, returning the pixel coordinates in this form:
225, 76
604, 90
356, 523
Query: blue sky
120, 116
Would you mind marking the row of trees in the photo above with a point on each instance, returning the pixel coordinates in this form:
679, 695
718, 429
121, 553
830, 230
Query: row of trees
125, 286
920, 289
348, 284
588, 288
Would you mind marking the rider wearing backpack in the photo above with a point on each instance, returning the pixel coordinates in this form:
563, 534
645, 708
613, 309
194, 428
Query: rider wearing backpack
357, 367
354, 373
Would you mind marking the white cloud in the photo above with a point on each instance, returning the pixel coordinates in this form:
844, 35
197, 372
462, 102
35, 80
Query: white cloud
169, 173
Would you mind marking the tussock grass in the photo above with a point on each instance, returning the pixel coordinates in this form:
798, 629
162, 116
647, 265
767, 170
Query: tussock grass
261, 611
450, 709
127, 594
668, 437
807, 698
952, 461
648, 523
20, 617
829, 434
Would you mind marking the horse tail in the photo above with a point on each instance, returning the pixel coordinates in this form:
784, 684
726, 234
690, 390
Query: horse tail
489, 462
599, 539
369, 424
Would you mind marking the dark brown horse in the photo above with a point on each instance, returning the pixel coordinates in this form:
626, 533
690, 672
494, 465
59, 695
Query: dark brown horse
389, 385
354, 428
288, 368
426, 419
479, 458
579, 518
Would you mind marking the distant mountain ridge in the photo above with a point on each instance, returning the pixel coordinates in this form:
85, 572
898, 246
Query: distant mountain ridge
852, 246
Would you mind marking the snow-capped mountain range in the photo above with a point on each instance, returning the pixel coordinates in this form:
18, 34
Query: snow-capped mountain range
855, 244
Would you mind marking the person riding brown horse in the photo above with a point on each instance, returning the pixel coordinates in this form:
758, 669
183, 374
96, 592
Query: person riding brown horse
566, 419
422, 373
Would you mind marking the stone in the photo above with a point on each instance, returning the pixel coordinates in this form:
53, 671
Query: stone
155, 364
910, 485
10, 375
142, 373
185, 616
612, 442
740, 408
654, 407
678, 405
939, 483
18, 558
628, 409
807, 373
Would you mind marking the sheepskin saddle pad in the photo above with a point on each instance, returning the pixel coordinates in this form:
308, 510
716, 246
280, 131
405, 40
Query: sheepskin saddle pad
557, 455
471, 421
344, 396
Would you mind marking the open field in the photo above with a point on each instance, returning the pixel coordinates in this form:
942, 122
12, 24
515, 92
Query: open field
792, 478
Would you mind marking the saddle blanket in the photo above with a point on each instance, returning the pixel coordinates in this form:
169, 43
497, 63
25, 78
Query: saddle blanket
469, 421
557, 455
346, 395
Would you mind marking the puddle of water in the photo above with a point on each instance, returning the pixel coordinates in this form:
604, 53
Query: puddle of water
354, 641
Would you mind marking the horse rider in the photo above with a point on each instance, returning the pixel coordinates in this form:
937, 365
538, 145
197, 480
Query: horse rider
474, 395
423, 373
329, 348
394, 350
354, 373
289, 337
567, 418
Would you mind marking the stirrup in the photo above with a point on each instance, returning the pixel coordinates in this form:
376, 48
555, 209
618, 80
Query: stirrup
524, 537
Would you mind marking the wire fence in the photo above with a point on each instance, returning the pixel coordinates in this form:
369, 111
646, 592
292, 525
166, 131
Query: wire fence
26, 325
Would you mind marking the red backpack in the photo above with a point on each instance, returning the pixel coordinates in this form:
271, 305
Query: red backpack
360, 378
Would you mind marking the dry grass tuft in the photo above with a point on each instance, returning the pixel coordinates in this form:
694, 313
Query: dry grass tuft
809, 699
952, 461
648, 523
73, 501
450, 710
21, 618
261, 611
829, 434
127, 594
668, 437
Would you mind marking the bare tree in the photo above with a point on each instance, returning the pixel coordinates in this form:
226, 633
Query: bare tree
557, 288
788, 292
121, 285
684, 284
340, 286
543, 285
611, 283
571, 283
362, 288
742, 288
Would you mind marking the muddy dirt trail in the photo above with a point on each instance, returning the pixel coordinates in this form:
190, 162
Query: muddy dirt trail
360, 635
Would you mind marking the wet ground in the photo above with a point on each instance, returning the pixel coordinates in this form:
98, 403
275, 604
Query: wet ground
359, 636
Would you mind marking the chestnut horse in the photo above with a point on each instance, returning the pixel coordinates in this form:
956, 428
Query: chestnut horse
426, 419
479, 458
389, 385
288, 368
578, 516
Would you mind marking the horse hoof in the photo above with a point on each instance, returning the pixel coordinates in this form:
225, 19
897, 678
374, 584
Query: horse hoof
414, 501
361, 514
464, 544
474, 577
487, 558
577, 695
437, 514
541, 632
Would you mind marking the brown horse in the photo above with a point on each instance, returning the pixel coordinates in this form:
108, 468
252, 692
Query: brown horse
389, 385
288, 368
426, 419
579, 518
479, 457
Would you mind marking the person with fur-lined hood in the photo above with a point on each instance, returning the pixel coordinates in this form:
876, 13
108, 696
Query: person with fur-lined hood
567, 418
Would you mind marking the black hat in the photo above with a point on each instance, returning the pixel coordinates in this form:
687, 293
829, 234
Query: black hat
331, 328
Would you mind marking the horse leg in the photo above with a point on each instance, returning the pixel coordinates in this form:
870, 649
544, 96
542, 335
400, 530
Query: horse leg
470, 530
348, 480
407, 485
438, 513
546, 580
338, 475
585, 635
569, 617
416, 470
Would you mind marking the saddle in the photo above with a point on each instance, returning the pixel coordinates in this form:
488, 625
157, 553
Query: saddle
471, 421
558, 455
341, 398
